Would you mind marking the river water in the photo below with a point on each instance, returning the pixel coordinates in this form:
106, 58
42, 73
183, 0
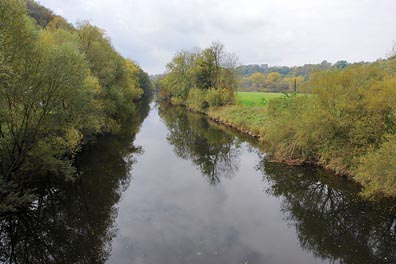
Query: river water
180, 189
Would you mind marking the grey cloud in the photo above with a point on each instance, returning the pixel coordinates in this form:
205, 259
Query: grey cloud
277, 32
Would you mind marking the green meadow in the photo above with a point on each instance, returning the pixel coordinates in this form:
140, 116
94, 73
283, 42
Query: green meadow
256, 98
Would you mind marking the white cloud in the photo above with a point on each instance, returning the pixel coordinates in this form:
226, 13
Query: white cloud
277, 32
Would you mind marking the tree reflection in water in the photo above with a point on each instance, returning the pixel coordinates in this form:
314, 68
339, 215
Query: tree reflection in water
214, 152
73, 222
331, 220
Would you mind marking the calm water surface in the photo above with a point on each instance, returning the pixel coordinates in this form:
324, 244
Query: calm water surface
186, 190
200, 194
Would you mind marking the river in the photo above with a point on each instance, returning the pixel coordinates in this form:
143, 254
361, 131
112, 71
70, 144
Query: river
177, 188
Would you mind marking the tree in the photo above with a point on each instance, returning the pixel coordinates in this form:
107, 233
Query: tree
257, 80
212, 71
341, 64
58, 86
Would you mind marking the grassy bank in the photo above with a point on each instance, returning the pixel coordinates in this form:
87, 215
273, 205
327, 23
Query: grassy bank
248, 114
250, 120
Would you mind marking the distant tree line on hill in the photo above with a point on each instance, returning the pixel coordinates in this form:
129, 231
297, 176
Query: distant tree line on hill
280, 78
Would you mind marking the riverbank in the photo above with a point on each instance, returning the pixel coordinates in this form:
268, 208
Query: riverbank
297, 141
252, 121
346, 123
248, 120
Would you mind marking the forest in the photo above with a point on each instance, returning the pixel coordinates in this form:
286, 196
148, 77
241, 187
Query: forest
344, 119
60, 87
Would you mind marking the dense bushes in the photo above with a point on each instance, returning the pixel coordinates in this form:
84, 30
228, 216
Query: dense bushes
377, 169
200, 100
348, 124
58, 86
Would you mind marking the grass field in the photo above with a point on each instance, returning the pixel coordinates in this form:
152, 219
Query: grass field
256, 98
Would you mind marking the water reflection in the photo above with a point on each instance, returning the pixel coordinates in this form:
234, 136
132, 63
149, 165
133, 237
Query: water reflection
331, 220
171, 215
73, 222
214, 152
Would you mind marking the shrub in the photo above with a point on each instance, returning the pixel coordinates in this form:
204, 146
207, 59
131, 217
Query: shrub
377, 169
177, 100
197, 100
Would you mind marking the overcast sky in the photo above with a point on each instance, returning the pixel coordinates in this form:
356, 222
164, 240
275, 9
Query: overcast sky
276, 32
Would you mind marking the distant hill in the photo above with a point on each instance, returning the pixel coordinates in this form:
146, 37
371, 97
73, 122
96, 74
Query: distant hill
261, 77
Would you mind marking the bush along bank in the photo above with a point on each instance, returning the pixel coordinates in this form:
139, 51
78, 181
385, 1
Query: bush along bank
348, 124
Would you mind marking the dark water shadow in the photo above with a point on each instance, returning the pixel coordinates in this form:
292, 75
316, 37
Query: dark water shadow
331, 220
73, 222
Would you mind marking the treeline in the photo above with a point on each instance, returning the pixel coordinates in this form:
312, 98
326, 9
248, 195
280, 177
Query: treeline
348, 124
59, 84
200, 79
280, 78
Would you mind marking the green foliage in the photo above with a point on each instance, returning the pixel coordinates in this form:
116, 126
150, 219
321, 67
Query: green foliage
118, 78
41, 14
58, 86
181, 77
197, 100
206, 69
377, 169
285, 132
200, 79
280, 78
342, 125
200, 100
219, 97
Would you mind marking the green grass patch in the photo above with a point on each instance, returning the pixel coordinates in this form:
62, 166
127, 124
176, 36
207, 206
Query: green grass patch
243, 117
256, 98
